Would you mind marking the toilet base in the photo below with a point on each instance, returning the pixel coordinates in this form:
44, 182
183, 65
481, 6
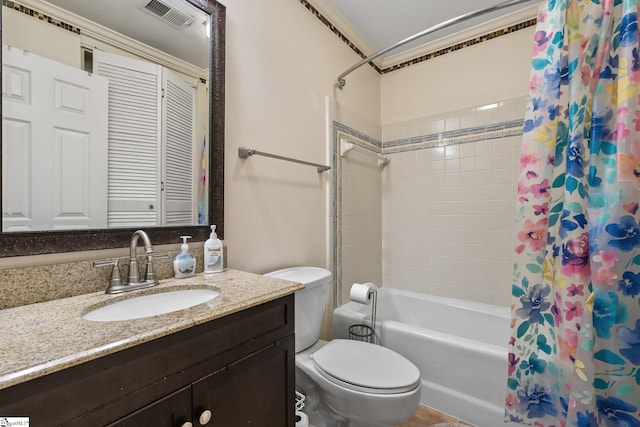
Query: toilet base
320, 415
323, 416
319, 402
327, 418
320, 418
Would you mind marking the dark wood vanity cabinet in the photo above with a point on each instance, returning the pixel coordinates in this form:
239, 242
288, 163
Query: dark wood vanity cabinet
170, 411
236, 370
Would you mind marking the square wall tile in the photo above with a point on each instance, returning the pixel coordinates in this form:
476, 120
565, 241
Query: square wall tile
447, 212
452, 123
452, 152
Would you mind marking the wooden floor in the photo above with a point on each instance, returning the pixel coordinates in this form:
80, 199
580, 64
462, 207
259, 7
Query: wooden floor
427, 417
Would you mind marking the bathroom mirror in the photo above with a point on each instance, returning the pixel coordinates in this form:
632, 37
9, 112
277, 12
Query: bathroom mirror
210, 132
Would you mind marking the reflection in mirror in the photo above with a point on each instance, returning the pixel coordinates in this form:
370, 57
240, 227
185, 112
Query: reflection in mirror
100, 128
109, 118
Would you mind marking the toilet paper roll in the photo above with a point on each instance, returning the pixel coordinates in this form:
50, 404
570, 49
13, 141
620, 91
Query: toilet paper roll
362, 292
302, 420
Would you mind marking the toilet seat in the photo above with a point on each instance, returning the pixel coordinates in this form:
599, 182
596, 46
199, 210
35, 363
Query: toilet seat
366, 367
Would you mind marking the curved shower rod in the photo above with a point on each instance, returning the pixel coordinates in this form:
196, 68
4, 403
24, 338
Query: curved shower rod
341, 82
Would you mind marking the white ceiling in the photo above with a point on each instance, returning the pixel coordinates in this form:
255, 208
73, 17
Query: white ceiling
385, 22
128, 17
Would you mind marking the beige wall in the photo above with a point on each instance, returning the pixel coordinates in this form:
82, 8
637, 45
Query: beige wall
282, 63
491, 71
27, 33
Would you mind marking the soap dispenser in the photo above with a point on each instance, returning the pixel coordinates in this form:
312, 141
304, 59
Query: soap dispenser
185, 263
213, 253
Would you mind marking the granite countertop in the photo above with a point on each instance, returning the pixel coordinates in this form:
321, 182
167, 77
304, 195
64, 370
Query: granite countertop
46, 337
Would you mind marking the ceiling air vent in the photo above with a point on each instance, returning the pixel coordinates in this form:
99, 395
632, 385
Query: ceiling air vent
169, 14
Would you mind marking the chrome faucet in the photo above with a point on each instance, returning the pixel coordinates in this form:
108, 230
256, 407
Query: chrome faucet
133, 281
134, 277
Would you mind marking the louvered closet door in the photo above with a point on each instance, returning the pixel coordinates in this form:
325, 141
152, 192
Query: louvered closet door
134, 139
54, 145
178, 137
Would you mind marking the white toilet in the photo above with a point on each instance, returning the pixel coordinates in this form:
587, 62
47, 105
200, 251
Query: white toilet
347, 383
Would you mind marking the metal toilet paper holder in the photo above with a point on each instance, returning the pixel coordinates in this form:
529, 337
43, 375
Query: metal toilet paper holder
362, 332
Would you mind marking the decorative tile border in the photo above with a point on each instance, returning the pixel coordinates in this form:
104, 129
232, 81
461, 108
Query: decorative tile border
336, 215
361, 139
422, 58
315, 12
461, 136
467, 43
41, 16
440, 139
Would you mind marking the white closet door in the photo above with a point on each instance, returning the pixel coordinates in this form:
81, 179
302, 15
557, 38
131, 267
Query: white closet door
178, 138
134, 139
54, 148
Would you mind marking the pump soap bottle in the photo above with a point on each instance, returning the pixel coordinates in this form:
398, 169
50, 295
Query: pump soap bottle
185, 263
213, 253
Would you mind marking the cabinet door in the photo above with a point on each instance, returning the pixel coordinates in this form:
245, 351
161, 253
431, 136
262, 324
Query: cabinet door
257, 390
173, 410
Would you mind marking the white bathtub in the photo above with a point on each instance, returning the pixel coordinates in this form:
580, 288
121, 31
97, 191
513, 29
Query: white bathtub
459, 346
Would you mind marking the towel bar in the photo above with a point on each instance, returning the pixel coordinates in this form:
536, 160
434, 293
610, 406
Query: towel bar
245, 153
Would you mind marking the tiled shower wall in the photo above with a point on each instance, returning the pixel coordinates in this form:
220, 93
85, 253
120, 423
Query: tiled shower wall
448, 202
360, 211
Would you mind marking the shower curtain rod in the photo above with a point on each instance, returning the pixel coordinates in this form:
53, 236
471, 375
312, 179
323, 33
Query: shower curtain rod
341, 82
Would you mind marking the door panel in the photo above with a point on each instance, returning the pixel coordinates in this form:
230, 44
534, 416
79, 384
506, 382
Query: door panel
54, 116
134, 139
178, 139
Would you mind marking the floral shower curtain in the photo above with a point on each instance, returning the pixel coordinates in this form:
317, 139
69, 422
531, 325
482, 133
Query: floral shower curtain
574, 353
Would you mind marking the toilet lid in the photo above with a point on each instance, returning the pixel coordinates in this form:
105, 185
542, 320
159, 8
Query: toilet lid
366, 367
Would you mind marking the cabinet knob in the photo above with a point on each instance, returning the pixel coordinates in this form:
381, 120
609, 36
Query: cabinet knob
205, 417
187, 424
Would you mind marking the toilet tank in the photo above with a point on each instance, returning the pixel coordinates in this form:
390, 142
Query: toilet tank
310, 301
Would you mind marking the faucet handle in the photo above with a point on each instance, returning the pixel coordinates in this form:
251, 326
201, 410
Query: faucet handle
149, 274
115, 280
103, 262
159, 256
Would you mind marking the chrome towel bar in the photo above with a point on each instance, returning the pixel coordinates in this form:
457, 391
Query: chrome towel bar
245, 153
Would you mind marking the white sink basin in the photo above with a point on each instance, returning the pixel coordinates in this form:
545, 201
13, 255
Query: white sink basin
151, 305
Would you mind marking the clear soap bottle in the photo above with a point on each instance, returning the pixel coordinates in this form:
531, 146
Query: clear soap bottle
213, 253
184, 265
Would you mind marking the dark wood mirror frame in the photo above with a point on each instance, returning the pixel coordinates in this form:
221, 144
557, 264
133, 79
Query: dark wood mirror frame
46, 242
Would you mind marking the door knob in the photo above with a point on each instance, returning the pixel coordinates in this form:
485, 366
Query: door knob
205, 417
